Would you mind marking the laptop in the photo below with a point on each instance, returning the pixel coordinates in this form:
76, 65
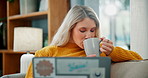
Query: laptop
71, 67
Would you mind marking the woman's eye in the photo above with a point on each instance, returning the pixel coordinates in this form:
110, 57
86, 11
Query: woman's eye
92, 30
82, 31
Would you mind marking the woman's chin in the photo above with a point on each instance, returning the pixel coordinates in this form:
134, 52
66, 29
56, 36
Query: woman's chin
82, 47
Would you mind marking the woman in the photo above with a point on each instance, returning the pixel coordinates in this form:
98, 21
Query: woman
81, 23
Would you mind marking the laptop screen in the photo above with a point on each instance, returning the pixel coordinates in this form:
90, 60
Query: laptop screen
71, 67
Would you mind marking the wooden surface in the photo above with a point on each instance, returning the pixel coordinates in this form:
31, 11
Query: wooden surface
13, 8
57, 9
3, 8
11, 63
31, 16
56, 14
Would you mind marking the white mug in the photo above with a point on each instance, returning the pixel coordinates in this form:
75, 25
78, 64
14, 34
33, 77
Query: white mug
92, 46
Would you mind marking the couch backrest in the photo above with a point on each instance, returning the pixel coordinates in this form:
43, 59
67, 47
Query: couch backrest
130, 70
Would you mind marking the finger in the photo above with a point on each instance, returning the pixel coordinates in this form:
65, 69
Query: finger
109, 41
102, 38
103, 50
107, 44
93, 55
108, 49
105, 40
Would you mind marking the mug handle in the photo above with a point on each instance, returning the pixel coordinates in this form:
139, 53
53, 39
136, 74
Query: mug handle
99, 46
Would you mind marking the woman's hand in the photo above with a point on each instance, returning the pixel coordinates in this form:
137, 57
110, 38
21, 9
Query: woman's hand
107, 46
93, 55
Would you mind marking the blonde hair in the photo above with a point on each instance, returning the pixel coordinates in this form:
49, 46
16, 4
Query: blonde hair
75, 14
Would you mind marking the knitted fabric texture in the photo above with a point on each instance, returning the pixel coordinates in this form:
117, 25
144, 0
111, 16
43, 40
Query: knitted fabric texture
72, 50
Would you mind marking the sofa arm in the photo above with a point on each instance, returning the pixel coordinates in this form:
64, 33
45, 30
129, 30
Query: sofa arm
132, 69
18, 75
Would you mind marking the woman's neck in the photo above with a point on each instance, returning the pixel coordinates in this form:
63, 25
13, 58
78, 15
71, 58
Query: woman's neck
71, 45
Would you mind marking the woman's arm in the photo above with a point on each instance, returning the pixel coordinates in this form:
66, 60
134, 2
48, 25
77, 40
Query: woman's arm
119, 54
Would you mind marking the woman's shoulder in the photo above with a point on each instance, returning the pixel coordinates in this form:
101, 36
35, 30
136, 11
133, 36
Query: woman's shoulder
46, 51
49, 47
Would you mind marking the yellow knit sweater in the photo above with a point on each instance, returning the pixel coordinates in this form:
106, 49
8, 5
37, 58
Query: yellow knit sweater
72, 50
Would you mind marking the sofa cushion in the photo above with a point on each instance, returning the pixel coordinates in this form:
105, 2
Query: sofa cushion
18, 75
132, 69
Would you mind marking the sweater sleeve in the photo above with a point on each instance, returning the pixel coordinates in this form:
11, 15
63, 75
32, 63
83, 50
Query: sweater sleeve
119, 54
45, 52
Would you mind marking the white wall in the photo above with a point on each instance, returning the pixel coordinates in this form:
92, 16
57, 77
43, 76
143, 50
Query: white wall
139, 27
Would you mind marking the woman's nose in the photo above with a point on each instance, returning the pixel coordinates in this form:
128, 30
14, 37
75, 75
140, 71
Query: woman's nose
88, 35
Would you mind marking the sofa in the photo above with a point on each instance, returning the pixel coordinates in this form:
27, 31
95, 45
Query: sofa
129, 69
17, 75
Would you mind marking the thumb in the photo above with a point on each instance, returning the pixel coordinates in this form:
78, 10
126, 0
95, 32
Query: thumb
102, 38
93, 55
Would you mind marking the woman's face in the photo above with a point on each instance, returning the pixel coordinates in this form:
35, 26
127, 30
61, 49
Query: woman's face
83, 30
